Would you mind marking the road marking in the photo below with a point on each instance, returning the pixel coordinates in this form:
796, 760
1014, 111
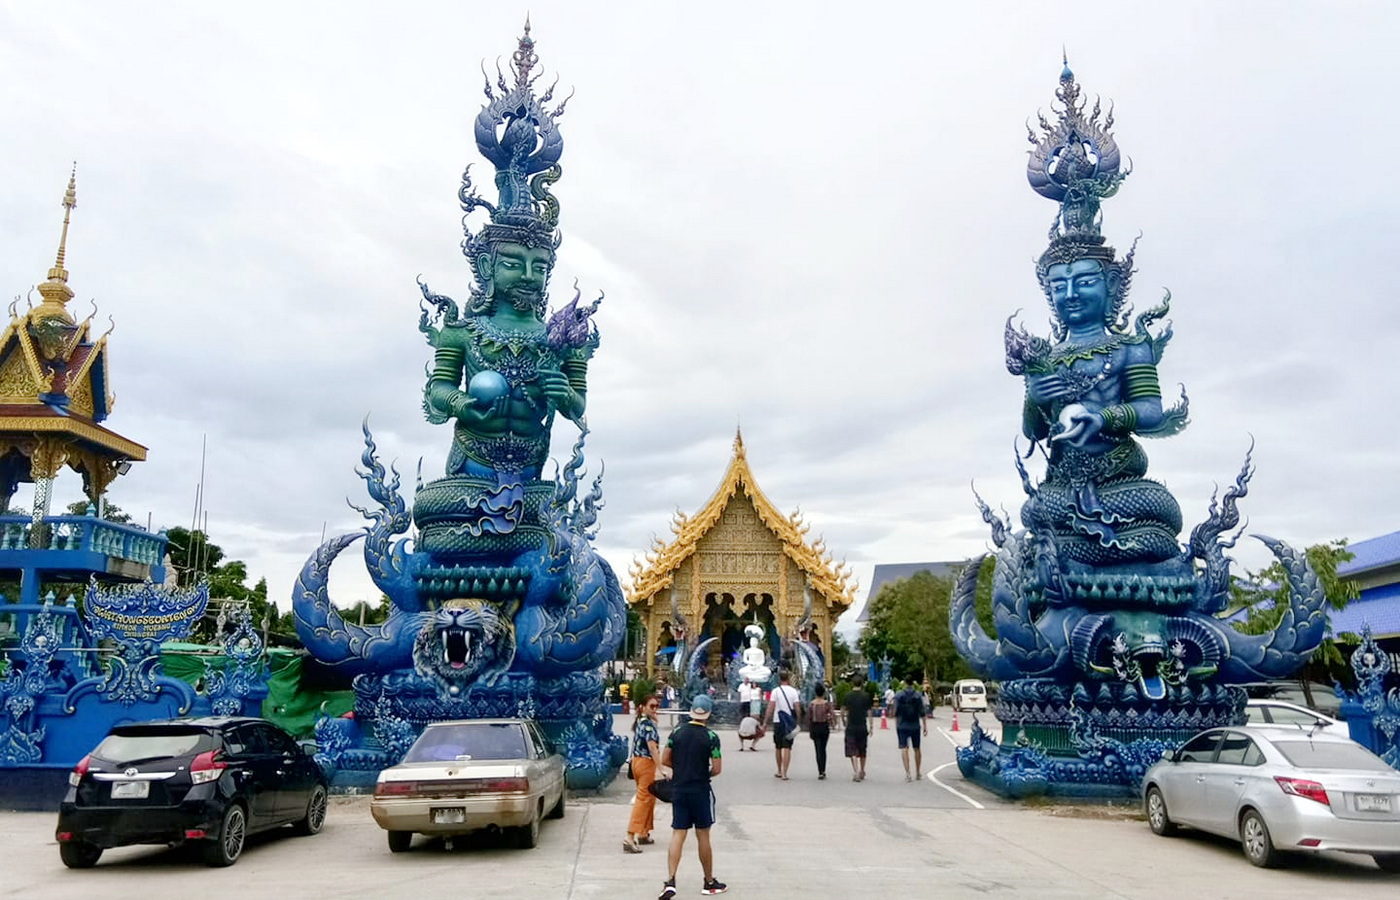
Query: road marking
932, 776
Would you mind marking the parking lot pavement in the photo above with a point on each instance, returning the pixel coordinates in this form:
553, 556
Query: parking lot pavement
801, 838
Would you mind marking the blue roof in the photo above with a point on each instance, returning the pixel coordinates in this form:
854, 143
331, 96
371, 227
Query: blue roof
1379, 606
887, 573
1372, 554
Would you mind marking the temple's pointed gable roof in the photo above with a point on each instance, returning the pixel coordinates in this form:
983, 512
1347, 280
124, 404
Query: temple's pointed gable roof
658, 572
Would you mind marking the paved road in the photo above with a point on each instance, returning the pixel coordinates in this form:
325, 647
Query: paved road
775, 840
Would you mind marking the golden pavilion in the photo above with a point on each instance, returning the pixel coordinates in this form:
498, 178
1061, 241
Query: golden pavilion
738, 561
54, 392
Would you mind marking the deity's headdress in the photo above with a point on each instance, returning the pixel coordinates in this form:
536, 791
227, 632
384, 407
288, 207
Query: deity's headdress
516, 133
1075, 162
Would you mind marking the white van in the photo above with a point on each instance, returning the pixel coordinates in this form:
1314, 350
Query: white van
969, 694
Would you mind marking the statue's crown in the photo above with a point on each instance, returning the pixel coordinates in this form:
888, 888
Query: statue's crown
516, 133
1075, 162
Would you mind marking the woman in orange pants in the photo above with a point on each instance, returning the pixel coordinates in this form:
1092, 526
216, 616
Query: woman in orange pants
646, 759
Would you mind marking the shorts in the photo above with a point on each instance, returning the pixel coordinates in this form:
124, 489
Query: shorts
692, 808
782, 740
856, 742
907, 736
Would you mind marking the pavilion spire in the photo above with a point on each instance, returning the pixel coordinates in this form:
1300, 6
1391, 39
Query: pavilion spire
55, 290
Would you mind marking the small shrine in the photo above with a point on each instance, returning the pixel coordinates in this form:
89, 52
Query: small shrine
54, 395
737, 563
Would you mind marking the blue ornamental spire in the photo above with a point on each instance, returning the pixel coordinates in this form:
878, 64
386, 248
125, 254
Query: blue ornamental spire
516, 133
1075, 162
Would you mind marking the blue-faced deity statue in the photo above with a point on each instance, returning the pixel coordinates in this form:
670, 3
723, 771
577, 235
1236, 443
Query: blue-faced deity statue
1108, 644
501, 607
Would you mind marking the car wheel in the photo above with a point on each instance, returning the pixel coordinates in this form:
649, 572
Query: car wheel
558, 811
399, 841
528, 836
315, 817
79, 854
225, 847
1157, 818
1258, 845
1389, 862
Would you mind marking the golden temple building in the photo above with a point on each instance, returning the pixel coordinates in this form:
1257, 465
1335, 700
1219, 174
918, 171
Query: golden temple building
736, 562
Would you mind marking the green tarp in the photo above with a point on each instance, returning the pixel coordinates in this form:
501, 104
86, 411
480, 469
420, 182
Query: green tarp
288, 704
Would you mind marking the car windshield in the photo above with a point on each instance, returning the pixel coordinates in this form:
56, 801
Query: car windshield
483, 740
1331, 755
133, 746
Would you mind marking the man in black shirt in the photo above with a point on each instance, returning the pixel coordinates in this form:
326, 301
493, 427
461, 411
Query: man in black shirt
857, 707
692, 751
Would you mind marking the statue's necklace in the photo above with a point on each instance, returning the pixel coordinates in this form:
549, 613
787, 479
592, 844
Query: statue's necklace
513, 362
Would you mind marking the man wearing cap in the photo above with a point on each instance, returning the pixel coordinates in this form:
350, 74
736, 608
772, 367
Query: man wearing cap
693, 754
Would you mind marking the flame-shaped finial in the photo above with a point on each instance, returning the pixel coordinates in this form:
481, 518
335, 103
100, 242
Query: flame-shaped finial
524, 58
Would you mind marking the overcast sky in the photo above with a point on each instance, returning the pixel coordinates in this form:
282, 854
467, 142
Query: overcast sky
808, 218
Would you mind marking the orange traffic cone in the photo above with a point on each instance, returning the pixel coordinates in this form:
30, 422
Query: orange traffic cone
884, 721
955, 721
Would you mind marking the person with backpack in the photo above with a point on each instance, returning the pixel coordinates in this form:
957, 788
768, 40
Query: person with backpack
819, 714
908, 720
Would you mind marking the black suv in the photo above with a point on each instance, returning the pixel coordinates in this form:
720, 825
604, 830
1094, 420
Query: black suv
213, 780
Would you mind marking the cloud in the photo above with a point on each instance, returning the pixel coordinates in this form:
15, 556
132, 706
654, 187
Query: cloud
813, 225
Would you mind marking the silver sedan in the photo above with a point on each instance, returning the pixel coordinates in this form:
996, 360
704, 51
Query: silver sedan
461, 776
1279, 789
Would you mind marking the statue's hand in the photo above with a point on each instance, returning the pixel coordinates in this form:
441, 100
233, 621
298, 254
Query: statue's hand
1046, 389
472, 411
1077, 425
556, 388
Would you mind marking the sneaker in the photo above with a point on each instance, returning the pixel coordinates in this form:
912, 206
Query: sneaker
668, 890
714, 886
630, 847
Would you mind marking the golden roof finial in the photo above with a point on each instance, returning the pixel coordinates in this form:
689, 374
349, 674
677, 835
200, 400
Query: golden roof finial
56, 291
738, 440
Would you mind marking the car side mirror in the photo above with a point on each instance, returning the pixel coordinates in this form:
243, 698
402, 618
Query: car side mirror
1169, 755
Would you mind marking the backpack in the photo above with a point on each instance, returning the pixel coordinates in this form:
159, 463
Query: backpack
908, 706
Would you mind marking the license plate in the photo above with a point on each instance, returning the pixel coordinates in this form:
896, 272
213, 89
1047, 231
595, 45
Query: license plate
1373, 802
452, 815
132, 790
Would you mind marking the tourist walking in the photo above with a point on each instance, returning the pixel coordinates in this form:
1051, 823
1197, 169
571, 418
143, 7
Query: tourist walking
857, 707
908, 720
784, 707
646, 755
819, 715
693, 754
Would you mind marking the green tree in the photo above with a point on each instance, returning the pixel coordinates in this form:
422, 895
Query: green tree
908, 622
111, 512
840, 652
1265, 595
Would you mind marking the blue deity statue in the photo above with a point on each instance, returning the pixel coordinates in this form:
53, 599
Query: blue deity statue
501, 607
1108, 644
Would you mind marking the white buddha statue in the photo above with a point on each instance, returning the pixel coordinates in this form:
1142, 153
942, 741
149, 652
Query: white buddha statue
755, 667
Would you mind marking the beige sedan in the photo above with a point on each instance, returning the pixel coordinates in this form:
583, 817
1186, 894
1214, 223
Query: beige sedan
467, 775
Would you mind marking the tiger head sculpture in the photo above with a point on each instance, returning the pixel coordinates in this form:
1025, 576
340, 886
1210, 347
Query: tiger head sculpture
467, 640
